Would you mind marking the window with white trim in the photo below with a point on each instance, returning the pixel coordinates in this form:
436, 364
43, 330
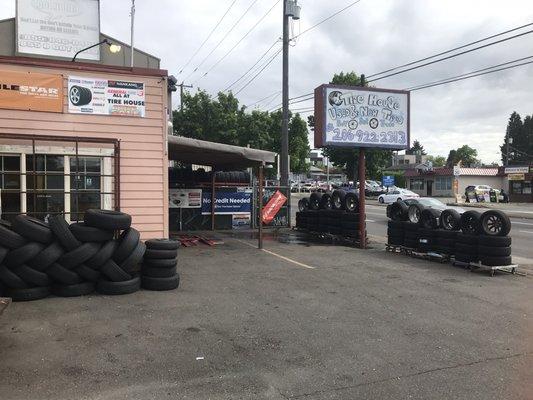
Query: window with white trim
443, 183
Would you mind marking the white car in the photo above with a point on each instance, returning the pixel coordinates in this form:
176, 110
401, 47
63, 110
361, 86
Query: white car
395, 195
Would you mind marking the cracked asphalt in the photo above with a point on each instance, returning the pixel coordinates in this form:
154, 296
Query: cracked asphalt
300, 322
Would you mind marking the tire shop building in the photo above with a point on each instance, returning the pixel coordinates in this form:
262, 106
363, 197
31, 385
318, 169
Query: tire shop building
83, 134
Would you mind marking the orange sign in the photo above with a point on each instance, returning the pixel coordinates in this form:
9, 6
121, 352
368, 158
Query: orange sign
273, 206
31, 91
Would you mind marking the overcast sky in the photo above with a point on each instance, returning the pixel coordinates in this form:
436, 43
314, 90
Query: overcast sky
371, 36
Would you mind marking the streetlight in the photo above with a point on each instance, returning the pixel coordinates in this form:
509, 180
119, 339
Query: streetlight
113, 48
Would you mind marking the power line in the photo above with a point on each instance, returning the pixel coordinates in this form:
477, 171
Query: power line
260, 71
451, 56
223, 38
451, 50
208, 37
252, 67
470, 73
241, 39
264, 98
459, 78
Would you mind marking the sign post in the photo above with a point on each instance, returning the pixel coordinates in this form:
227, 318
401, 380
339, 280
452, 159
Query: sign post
362, 179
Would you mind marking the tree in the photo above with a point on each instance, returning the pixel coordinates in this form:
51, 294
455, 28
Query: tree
465, 155
520, 135
437, 161
416, 148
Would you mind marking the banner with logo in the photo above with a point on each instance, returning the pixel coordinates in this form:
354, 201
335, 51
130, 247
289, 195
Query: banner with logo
31, 91
185, 198
88, 95
227, 202
273, 206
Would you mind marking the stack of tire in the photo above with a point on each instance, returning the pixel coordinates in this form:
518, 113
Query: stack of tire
395, 233
39, 258
159, 265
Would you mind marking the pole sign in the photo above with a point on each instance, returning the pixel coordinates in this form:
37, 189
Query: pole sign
353, 116
388, 180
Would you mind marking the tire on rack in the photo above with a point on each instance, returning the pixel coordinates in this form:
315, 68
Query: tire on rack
47, 257
78, 256
470, 222
23, 254
158, 272
495, 223
32, 229
314, 201
325, 202
162, 244
128, 241
494, 241
351, 202
62, 275
337, 199
467, 239
129, 264
107, 219
32, 276
85, 233
104, 254
465, 257
28, 294
303, 204
10, 279
450, 220
10, 239
429, 218
414, 212
494, 251
171, 283
492, 261
398, 211
78, 289
61, 230
408, 226
112, 271
118, 288
444, 234
445, 242
463, 248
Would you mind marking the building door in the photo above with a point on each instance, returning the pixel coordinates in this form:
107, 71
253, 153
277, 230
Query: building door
429, 185
10, 191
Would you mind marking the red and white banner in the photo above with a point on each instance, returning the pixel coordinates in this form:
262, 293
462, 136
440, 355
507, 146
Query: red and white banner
273, 206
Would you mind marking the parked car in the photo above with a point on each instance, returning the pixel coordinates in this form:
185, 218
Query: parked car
395, 195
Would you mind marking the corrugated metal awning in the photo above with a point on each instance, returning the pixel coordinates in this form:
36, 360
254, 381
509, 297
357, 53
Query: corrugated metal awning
221, 156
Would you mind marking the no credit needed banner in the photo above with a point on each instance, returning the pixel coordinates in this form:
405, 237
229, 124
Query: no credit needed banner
227, 202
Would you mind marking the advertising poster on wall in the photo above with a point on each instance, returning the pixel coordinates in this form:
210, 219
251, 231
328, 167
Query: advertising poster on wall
185, 198
361, 117
106, 97
227, 202
58, 28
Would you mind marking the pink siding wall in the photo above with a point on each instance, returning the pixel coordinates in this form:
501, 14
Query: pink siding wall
144, 161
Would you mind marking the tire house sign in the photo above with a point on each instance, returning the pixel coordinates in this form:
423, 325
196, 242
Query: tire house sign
107, 97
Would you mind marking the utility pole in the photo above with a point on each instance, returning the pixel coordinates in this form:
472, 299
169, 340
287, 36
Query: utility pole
182, 85
132, 13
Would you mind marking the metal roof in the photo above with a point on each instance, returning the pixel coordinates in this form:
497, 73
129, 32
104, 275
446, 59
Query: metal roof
218, 155
463, 171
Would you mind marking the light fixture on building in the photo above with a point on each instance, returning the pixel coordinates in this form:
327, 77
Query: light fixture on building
113, 48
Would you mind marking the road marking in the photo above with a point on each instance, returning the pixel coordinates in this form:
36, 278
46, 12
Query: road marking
380, 215
526, 232
521, 223
278, 255
369, 220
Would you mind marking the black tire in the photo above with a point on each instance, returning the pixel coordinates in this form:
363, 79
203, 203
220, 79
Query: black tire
61, 230
47, 257
107, 219
444, 234
427, 233
463, 248
112, 271
465, 257
395, 224
337, 199
495, 261
105, 253
32, 277
62, 275
10, 279
159, 263
303, 204
429, 218
118, 288
23, 254
314, 201
87, 273
28, 294
79, 289
32, 229
158, 272
411, 235
395, 232
79, 256
411, 244
171, 283
446, 249
414, 212
494, 241
491, 251
325, 202
395, 240
450, 220
3, 253
398, 211
467, 239
470, 222
85, 233
128, 241
10, 239
351, 202
445, 242
409, 226
131, 263
495, 223
162, 254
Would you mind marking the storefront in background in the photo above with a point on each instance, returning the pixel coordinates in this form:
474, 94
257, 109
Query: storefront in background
520, 181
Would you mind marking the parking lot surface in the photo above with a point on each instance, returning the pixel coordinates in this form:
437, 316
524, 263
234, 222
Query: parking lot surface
291, 322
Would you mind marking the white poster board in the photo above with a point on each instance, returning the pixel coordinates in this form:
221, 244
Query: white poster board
87, 95
58, 28
185, 198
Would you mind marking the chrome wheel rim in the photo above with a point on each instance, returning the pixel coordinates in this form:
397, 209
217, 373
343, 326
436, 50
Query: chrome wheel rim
74, 95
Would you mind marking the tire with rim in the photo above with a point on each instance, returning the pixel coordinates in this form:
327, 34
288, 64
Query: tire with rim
32, 229
10, 239
303, 204
351, 202
107, 219
325, 202
450, 220
128, 241
494, 241
78, 289
494, 251
381, 200
314, 201
337, 199
47, 257
79, 95
159, 272
470, 222
118, 288
28, 294
492, 261
171, 283
61, 230
85, 233
429, 218
23, 254
414, 212
495, 223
